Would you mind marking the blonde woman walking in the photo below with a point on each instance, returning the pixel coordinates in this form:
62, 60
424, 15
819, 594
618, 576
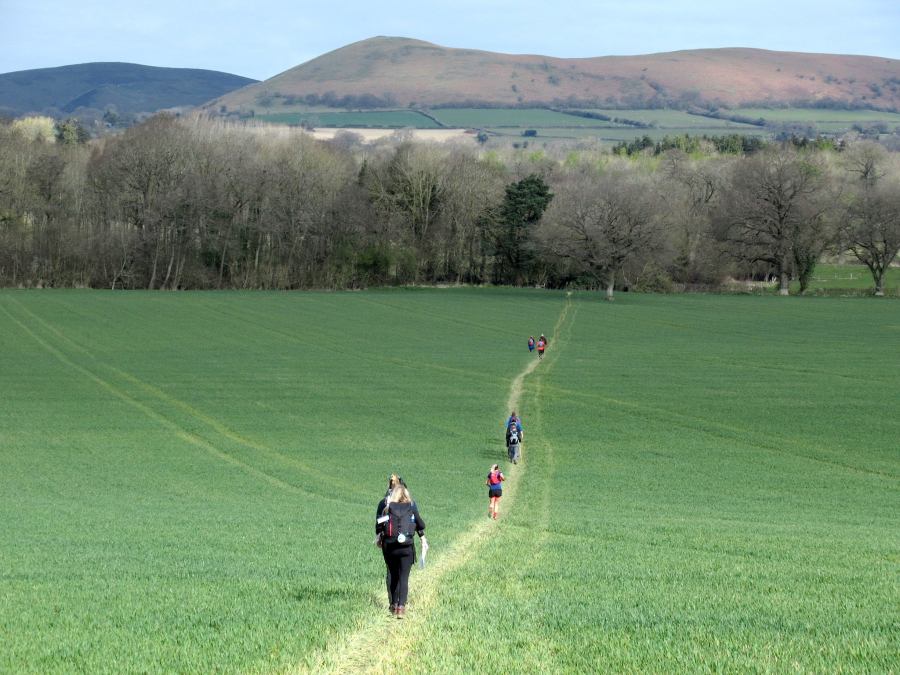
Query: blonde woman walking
399, 522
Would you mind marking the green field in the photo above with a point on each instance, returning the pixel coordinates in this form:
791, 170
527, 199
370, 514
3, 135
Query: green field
824, 120
188, 482
816, 115
390, 119
513, 117
551, 124
620, 133
852, 277
677, 119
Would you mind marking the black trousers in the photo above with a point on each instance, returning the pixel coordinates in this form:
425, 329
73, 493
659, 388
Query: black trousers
399, 560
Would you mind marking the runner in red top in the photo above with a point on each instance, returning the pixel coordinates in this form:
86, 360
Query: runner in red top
494, 482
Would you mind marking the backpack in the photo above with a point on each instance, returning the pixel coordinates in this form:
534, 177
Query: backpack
513, 435
400, 526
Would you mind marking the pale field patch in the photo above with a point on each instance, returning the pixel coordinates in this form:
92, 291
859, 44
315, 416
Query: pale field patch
373, 135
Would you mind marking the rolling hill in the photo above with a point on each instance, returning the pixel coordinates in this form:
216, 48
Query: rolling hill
127, 87
401, 72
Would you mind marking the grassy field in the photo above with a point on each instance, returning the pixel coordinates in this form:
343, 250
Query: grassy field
394, 119
677, 119
514, 117
852, 277
815, 115
824, 121
619, 133
709, 483
550, 124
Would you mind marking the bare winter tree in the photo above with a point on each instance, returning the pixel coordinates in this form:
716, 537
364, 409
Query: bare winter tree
871, 228
773, 210
600, 222
692, 189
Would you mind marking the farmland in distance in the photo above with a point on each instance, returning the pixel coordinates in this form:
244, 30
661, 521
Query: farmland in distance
621, 125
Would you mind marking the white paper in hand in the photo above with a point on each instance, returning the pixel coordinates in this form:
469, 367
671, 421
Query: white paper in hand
424, 553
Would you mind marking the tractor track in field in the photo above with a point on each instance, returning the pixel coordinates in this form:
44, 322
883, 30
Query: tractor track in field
363, 650
177, 429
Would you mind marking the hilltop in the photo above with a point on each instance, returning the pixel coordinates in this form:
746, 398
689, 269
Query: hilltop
125, 87
401, 72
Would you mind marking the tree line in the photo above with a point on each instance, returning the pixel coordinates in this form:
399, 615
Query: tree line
195, 203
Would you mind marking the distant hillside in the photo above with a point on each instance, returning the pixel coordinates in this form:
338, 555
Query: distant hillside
399, 72
127, 87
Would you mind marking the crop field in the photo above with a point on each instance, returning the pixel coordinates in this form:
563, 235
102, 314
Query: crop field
513, 117
824, 121
817, 115
677, 119
397, 119
188, 481
852, 277
616, 134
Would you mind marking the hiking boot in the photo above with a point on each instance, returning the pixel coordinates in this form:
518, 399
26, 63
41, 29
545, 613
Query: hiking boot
400, 611
393, 608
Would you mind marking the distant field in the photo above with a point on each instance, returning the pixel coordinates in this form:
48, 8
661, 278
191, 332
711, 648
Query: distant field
710, 483
382, 118
622, 133
552, 124
824, 121
513, 117
677, 119
852, 277
672, 121
814, 115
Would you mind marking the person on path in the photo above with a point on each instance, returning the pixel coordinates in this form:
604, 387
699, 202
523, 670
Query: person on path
531, 343
393, 481
515, 436
514, 422
494, 482
541, 346
398, 523
513, 419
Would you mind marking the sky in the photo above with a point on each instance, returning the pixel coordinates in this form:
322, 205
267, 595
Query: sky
260, 41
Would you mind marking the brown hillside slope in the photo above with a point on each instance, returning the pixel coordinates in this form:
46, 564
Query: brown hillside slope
408, 72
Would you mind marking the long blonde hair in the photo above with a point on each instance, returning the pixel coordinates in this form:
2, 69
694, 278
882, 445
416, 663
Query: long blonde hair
399, 494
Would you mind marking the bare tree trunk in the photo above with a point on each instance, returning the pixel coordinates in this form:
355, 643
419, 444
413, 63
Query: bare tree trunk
169, 268
179, 270
784, 282
879, 281
222, 263
610, 286
152, 283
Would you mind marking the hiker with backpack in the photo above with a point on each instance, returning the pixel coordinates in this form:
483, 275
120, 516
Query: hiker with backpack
514, 437
514, 421
541, 346
513, 444
531, 343
393, 481
494, 482
398, 523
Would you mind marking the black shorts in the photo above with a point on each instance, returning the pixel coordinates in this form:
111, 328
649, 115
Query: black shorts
495, 493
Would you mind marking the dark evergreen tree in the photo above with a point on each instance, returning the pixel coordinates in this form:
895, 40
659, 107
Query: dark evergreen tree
523, 206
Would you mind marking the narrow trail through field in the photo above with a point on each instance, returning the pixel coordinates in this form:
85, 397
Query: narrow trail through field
379, 643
